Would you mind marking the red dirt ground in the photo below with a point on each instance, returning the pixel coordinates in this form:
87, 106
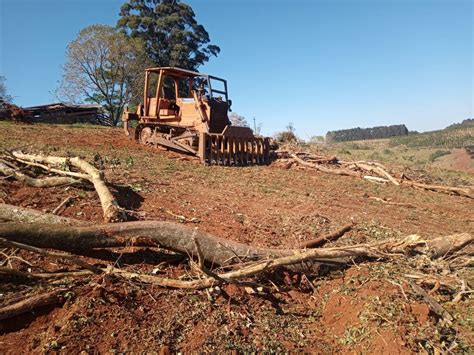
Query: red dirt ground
357, 309
458, 160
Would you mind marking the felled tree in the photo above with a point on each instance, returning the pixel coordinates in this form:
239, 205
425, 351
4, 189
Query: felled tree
103, 67
170, 32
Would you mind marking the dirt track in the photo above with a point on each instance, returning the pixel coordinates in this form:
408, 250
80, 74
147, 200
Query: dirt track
265, 206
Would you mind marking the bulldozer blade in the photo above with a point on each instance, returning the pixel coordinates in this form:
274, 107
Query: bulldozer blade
218, 149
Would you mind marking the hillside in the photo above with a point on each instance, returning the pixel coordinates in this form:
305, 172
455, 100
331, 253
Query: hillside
447, 149
367, 306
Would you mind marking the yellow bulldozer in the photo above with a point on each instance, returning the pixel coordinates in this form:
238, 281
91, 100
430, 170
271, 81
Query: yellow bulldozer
187, 112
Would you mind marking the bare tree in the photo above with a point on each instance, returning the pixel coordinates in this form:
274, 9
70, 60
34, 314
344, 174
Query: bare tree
4, 97
238, 120
103, 67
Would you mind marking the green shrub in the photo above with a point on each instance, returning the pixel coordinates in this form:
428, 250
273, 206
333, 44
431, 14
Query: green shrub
286, 137
438, 154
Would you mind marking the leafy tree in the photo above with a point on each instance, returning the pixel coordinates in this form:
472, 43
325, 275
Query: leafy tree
238, 120
103, 67
287, 136
4, 97
170, 32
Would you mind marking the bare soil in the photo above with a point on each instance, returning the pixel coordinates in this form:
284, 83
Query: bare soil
458, 160
360, 308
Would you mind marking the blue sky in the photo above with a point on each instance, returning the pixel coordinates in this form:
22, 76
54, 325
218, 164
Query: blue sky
322, 65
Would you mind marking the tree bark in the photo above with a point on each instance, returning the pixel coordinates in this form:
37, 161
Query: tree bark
112, 211
50, 181
443, 246
324, 169
461, 191
10, 244
377, 169
27, 215
170, 236
318, 242
31, 303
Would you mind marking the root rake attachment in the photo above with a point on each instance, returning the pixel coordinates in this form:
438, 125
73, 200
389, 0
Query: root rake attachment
218, 149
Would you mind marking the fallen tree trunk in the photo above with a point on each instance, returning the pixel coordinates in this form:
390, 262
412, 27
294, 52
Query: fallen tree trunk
31, 303
378, 170
461, 191
170, 236
49, 181
112, 211
295, 257
27, 215
212, 249
10, 244
318, 242
324, 169
444, 246
376, 250
358, 167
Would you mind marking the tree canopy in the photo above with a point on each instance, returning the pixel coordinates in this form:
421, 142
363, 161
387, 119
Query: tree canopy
103, 67
169, 31
366, 133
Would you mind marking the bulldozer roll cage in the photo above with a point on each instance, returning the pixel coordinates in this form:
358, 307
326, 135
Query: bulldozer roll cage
187, 112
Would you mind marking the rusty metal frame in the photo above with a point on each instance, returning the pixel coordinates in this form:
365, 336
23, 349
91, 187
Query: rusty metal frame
234, 146
183, 73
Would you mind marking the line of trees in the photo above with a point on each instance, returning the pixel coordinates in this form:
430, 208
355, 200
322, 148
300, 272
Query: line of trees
358, 133
105, 65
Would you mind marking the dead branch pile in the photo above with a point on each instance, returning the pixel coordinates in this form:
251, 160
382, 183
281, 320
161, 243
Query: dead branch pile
202, 248
370, 171
213, 260
74, 170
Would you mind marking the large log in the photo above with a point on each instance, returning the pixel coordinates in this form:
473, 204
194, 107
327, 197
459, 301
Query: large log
320, 241
444, 246
49, 181
45, 230
27, 215
112, 211
461, 191
168, 235
31, 303
338, 171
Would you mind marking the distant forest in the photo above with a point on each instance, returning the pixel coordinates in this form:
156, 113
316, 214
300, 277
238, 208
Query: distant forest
358, 133
469, 122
